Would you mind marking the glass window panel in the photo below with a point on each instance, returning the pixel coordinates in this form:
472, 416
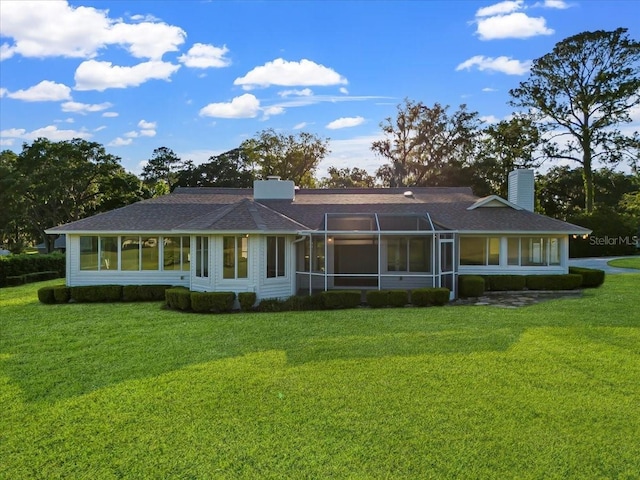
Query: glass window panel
171, 253
318, 254
554, 251
513, 251
150, 253
472, 250
281, 257
303, 253
109, 253
272, 257
494, 251
243, 256
88, 253
351, 222
229, 257
186, 253
532, 251
397, 254
130, 253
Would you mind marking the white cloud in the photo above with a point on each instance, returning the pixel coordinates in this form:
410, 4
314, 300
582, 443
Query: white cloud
489, 89
290, 74
201, 55
558, 4
84, 108
132, 134
3, 92
95, 75
513, 25
51, 132
146, 125
501, 8
305, 92
148, 133
120, 142
244, 106
48, 29
344, 90
6, 51
271, 111
300, 126
489, 119
110, 114
100, 128
345, 122
45, 91
499, 64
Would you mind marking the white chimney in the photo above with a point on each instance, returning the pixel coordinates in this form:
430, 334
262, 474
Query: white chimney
273, 189
521, 188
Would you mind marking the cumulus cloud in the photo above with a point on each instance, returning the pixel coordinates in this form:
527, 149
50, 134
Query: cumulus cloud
290, 74
80, 32
201, 55
51, 132
120, 142
95, 75
147, 125
501, 8
45, 91
345, 122
244, 106
84, 108
514, 25
499, 64
300, 126
110, 114
557, 4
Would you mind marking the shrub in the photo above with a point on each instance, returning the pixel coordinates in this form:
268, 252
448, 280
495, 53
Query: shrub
470, 285
570, 281
335, 299
17, 265
246, 300
46, 295
62, 294
501, 283
143, 293
305, 302
425, 297
591, 277
178, 298
216, 302
273, 305
377, 298
397, 298
15, 280
96, 293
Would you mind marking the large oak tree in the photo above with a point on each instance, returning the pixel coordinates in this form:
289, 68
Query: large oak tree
581, 92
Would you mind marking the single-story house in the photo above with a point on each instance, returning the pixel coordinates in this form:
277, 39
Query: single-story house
277, 240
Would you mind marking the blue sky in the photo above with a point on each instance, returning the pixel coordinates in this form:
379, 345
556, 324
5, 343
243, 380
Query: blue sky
200, 77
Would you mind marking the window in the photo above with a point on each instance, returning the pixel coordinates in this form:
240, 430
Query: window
534, 251
275, 257
149, 253
98, 253
130, 248
479, 251
202, 256
235, 257
317, 252
408, 254
176, 253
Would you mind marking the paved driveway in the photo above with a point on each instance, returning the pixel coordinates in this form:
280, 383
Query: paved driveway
601, 263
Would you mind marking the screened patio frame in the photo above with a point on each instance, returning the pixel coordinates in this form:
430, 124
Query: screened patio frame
424, 228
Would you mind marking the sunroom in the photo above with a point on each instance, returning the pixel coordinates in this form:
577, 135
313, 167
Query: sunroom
375, 251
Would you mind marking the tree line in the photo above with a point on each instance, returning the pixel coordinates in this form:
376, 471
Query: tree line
572, 109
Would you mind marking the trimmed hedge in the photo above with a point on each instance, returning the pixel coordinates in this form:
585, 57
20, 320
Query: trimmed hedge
387, 298
470, 285
569, 281
144, 293
426, 297
336, 299
246, 300
19, 265
45, 295
216, 302
377, 298
96, 293
591, 277
178, 298
501, 283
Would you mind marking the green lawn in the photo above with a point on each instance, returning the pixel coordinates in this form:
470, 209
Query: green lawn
631, 262
133, 391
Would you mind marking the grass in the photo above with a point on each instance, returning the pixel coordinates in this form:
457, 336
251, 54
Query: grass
133, 391
629, 262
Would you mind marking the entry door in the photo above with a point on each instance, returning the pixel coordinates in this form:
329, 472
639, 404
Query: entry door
447, 272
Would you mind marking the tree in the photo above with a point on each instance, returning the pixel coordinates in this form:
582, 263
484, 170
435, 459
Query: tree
60, 182
163, 166
427, 146
291, 157
229, 169
581, 92
12, 232
504, 146
347, 178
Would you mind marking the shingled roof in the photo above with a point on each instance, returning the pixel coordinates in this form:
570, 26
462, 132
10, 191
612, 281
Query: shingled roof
188, 210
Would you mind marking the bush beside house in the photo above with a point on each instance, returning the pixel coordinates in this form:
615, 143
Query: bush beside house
21, 269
